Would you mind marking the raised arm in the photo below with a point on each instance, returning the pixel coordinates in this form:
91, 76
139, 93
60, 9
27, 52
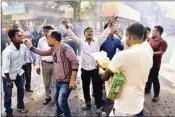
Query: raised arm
37, 51
111, 28
104, 36
41, 52
70, 33
73, 36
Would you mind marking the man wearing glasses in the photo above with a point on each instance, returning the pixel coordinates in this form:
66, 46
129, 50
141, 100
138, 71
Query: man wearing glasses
46, 63
65, 67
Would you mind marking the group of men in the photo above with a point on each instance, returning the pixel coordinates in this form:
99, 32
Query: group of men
140, 64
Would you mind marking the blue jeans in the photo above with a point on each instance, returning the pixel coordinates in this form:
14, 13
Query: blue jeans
140, 114
61, 95
19, 82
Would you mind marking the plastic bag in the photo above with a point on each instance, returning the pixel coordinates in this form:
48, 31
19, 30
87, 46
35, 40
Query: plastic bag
101, 58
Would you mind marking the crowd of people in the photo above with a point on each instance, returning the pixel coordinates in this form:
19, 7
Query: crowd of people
139, 62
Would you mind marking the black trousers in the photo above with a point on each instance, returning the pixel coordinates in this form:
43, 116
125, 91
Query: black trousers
96, 83
153, 79
27, 73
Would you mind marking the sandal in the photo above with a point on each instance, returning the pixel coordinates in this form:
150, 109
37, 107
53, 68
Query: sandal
46, 101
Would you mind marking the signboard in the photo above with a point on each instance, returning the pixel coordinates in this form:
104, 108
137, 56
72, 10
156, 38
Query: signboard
32, 14
109, 9
14, 9
119, 9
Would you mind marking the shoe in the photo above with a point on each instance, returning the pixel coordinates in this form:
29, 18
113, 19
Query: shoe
46, 101
9, 115
60, 115
23, 110
86, 106
29, 90
101, 112
155, 98
147, 92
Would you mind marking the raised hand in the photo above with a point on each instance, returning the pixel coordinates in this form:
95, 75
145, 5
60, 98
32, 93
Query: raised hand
28, 43
65, 23
112, 22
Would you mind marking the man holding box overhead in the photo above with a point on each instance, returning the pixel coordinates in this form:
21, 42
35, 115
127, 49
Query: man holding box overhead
135, 64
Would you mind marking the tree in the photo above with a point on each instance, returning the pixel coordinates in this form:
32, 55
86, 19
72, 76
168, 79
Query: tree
75, 4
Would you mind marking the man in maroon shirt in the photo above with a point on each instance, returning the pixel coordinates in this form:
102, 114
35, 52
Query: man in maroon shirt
159, 46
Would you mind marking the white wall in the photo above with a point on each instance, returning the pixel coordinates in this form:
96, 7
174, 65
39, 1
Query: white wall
172, 61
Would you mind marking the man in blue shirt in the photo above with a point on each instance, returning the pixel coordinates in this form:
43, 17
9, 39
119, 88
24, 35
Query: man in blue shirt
28, 69
111, 44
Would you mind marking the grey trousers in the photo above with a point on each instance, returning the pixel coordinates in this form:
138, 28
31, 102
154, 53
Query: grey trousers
48, 78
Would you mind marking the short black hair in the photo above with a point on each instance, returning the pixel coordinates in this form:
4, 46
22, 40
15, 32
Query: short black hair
145, 33
48, 27
87, 29
148, 29
106, 25
56, 35
159, 28
12, 33
137, 30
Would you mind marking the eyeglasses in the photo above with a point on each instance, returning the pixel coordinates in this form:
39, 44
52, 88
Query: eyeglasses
55, 58
89, 31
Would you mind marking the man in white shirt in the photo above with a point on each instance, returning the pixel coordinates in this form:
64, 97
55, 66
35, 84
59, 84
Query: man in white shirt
89, 69
47, 65
135, 64
13, 57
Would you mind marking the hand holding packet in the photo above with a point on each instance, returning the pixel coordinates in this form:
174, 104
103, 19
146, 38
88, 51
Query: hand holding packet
115, 84
101, 58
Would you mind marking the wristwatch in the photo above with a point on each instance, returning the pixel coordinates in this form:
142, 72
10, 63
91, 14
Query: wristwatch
32, 48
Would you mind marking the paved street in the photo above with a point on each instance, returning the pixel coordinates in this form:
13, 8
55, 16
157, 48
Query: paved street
164, 107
